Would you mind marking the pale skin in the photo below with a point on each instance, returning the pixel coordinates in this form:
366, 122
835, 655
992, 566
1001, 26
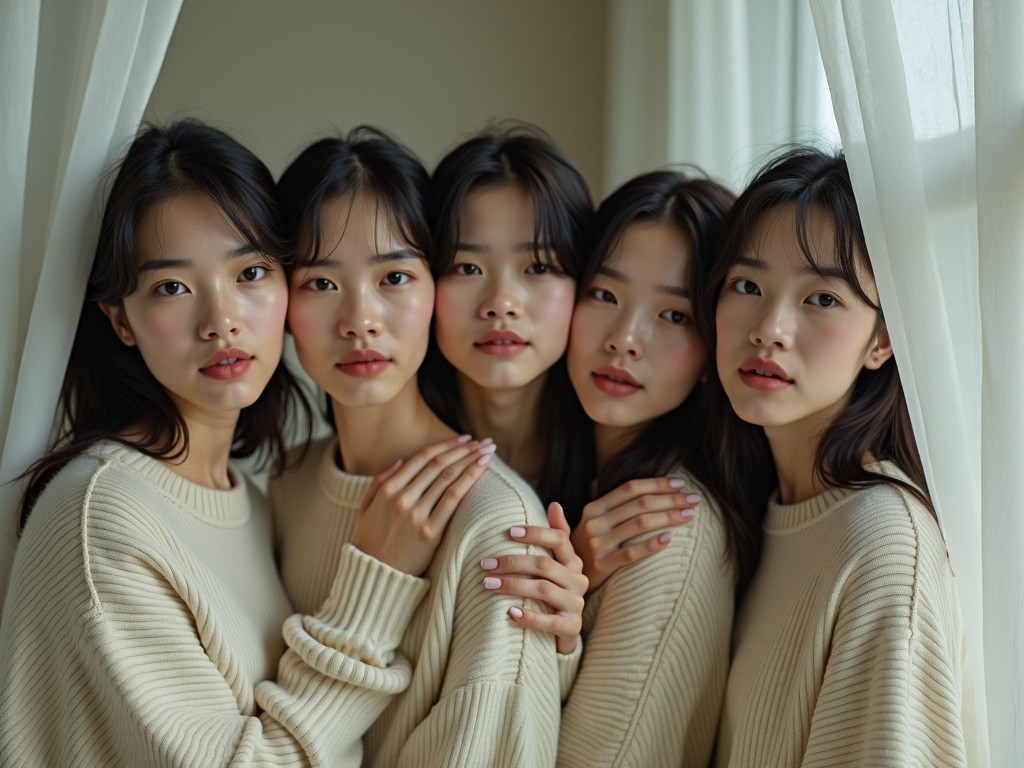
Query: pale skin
634, 355
811, 330
203, 293
372, 297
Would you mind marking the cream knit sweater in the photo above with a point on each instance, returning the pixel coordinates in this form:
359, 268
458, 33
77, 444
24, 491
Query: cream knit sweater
143, 627
651, 682
848, 645
485, 692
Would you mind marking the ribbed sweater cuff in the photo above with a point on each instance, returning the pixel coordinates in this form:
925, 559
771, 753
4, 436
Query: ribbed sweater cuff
568, 667
371, 599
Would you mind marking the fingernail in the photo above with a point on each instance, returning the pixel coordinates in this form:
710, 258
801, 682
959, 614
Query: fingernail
489, 563
487, 441
488, 448
463, 438
491, 583
484, 460
517, 612
686, 514
665, 537
692, 498
675, 482
517, 532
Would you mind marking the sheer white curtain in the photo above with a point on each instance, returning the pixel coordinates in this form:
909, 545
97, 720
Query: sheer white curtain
929, 97
74, 81
711, 82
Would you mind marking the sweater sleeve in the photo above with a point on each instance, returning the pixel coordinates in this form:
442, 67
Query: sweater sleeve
114, 655
890, 694
499, 701
656, 657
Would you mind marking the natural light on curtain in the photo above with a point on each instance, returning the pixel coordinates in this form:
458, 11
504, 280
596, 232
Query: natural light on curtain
718, 83
929, 98
74, 81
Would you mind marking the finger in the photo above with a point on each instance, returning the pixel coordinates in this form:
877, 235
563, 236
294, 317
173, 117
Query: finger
425, 465
556, 518
635, 552
552, 623
648, 504
639, 487
543, 591
555, 540
528, 569
376, 483
444, 496
454, 473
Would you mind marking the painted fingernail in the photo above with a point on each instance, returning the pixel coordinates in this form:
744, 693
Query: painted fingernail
686, 514
484, 460
692, 498
488, 448
491, 583
675, 482
487, 441
489, 563
516, 612
517, 532
463, 438
665, 537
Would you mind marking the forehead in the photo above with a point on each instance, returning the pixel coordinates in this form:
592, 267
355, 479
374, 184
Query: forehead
652, 253
507, 208
185, 225
774, 238
358, 223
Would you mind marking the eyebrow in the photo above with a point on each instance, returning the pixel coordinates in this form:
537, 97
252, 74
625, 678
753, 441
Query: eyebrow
672, 290
154, 265
399, 254
829, 273
529, 246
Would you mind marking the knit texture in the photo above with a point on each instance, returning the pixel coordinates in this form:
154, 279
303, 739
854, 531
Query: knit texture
143, 627
848, 646
484, 692
654, 667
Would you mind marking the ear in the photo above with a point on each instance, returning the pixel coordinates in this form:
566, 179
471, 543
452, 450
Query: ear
119, 323
880, 351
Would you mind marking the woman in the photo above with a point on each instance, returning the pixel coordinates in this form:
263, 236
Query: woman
145, 623
848, 645
485, 690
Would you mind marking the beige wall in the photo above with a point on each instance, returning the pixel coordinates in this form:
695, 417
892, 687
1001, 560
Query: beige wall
279, 74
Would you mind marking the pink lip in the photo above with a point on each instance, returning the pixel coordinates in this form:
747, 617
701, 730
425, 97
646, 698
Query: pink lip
501, 342
363, 362
615, 381
227, 364
764, 375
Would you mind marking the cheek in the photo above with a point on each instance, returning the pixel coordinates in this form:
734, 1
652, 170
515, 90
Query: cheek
728, 321
553, 306
451, 309
682, 363
307, 325
586, 338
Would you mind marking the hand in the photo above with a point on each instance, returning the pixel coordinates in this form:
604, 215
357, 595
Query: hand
407, 508
557, 581
632, 509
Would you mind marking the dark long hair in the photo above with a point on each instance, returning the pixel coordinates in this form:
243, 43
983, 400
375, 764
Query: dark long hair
523, 155
366, 160
698, 207
876, 419
107, 387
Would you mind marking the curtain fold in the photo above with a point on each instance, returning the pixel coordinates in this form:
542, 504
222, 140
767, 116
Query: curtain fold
929, 97
76, 79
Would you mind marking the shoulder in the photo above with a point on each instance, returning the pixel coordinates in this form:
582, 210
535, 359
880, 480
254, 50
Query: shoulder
501, 492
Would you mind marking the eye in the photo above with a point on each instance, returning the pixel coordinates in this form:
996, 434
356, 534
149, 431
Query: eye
319, 284
253, 273
396, 278
748, 287
675, 316
823, 300
170, 288
466, 269
603, 295
539, 269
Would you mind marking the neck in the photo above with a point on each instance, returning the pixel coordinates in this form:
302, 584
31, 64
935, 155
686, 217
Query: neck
372, 438
511, 418
794, 463
209, 448
610, 441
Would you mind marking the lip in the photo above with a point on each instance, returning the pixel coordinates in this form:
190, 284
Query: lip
615, 381
764, 375
501, 342
227, 364
363, 362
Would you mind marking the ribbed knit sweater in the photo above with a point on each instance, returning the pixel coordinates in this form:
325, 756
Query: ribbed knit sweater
143, 627
656, 657
848, 646
485, 692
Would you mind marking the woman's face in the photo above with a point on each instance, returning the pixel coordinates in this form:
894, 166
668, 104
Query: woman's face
502, 318
361, 317
634, 352
208, 313
791, 342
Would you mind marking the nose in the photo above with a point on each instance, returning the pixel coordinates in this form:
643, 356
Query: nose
625, 338
359, 317
774, 328
503, 300
221, 318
